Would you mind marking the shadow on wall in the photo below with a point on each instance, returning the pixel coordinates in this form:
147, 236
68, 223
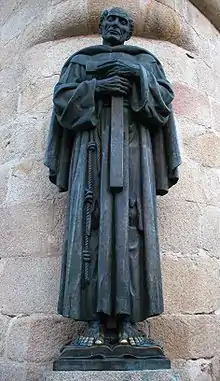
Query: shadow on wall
46, 20
211, 9
154, 19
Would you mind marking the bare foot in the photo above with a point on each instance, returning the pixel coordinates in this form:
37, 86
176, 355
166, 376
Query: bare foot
130, 335
94, 335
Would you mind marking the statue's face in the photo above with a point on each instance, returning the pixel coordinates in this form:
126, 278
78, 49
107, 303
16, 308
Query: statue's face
115, 29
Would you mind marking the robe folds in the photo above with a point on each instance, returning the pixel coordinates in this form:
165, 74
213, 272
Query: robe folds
125, 274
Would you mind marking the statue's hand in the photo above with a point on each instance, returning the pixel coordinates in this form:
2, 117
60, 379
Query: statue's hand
114, 85
120, 68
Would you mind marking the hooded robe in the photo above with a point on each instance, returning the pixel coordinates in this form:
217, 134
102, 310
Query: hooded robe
125, 274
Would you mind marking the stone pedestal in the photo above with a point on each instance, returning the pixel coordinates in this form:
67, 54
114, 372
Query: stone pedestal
111, 357
152, 375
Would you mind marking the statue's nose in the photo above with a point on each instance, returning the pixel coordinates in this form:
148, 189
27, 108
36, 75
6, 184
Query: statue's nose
115, 22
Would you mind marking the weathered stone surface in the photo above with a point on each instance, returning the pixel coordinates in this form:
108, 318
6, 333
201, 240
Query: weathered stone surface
211, 9
41, 24
178, 225
163, 375
200, 73
179, 67
34, 228
15, 24
212, 185
214, 52
165, 23
162, 21
38, 338
194, 370
81, 15
4, 323
35, 372
5, 171
191, 285
15, 371
192, 185
37, 96
29, 285
68, 19
23, 137
6, 12
199, 21
197, 184
190, 69
208, 143
21, 14
9, 93
187, 337
29, 182
210, 227
12, 371
215, 108
188, 128
166, 20
44, 61
208, 80
216, 367
192, 104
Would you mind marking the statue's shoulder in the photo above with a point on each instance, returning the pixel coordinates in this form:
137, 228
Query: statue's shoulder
86, 54
143, 55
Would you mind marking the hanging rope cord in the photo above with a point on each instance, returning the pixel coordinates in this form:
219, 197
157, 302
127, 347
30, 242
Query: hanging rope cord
88, 207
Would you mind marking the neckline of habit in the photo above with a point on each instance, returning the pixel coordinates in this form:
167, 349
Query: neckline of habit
119, 48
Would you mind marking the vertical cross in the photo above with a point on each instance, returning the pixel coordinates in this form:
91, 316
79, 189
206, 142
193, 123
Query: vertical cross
116, 146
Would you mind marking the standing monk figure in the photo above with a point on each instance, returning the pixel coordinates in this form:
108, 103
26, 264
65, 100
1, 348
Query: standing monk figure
111, 258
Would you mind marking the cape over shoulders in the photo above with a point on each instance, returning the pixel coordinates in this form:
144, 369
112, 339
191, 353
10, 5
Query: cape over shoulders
84, 55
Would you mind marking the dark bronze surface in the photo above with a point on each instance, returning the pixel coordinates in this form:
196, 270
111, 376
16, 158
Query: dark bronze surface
113, 145
106, 358
117, 142
111, 356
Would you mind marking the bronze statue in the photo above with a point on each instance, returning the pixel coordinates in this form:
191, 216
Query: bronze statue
113, 145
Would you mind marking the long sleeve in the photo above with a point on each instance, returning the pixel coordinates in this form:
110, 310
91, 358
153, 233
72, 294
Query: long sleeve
74, 99
152, 96
74, 110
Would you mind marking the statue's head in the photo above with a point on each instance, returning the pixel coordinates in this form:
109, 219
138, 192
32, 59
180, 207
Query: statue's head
116, 26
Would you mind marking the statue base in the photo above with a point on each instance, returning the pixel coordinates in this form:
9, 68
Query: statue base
146, 375
113, 358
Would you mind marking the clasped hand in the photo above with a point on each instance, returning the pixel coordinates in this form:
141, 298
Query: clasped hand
114, 77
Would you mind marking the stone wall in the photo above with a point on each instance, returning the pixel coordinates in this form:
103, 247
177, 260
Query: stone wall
36, 38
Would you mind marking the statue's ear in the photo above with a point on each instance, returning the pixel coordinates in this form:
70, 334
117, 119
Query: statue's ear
100, 29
